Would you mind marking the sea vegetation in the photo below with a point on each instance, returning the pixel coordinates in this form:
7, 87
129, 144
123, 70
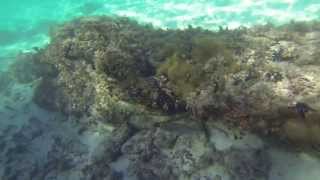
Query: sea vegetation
112, 68
179, 73
209, 59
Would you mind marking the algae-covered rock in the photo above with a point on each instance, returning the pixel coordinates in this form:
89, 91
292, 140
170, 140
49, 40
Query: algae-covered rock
114, 70
174, 151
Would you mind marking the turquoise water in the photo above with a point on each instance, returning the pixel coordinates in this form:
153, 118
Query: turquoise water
25, 24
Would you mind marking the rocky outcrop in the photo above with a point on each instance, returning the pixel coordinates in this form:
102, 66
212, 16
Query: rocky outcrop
114, 70
182, 153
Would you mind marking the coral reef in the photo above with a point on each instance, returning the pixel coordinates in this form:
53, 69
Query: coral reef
113, 70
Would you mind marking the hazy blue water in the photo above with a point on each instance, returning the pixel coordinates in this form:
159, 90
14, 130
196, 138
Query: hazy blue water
25, 23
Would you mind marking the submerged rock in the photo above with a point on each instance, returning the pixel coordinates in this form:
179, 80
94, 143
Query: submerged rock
162, 154
114, 70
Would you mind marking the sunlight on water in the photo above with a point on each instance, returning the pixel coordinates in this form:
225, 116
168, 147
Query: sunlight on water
23, 21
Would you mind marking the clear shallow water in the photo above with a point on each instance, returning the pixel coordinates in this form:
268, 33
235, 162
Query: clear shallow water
24, 24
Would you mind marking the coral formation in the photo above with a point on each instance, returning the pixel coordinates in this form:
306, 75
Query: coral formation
114, 70
176, 153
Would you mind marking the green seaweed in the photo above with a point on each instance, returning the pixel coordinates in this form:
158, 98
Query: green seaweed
210, 59
206, 47
183, 75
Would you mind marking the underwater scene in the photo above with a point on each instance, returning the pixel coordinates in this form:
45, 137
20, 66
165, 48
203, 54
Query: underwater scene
160, 90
